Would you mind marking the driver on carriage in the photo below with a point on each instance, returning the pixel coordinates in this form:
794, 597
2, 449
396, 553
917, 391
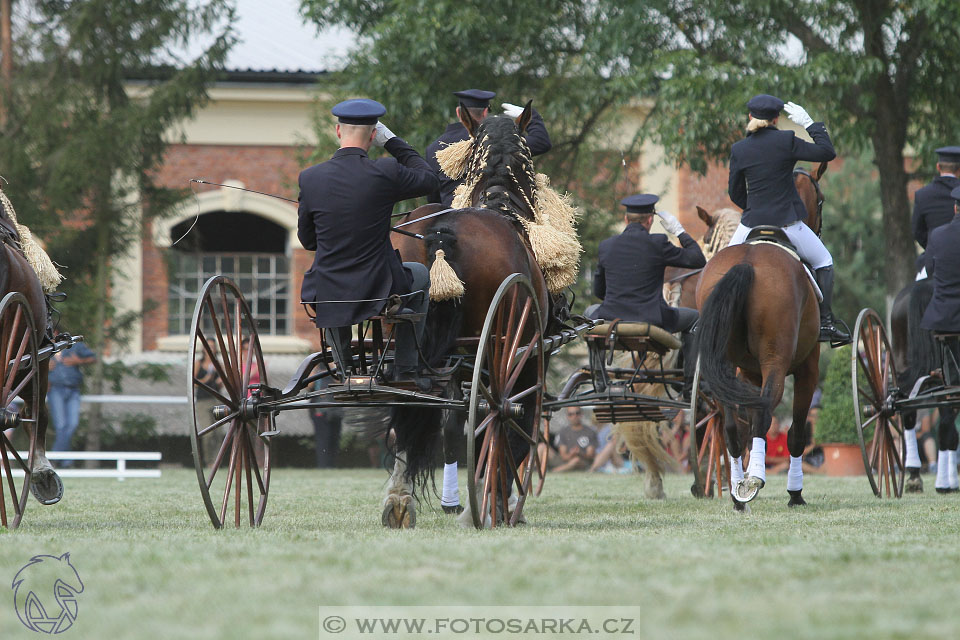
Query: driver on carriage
629, 274
344, 216
477, 102
762, 184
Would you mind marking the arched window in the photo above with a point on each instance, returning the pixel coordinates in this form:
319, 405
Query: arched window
249, 249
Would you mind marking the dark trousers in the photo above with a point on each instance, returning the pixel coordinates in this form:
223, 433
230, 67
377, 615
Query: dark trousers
326, 434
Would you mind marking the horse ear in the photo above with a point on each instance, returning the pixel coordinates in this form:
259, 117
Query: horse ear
467, 120
524, 119
705, 216
822, 169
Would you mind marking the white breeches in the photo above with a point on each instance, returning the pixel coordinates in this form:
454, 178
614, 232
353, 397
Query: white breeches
808, 245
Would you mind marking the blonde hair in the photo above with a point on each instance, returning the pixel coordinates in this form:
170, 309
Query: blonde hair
756, 124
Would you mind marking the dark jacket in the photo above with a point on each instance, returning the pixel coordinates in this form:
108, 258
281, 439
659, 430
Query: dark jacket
943, 265
536, 137
345, 206
629, 276
932, 207
761, 173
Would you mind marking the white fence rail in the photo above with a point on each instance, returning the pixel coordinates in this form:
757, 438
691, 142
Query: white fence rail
120, 473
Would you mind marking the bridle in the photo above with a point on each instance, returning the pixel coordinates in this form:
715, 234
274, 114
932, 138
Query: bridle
816, 188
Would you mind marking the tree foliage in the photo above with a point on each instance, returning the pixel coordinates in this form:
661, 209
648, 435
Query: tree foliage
876, 72
79, 148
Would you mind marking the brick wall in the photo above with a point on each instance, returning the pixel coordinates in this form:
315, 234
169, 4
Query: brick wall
271, 169
708, 191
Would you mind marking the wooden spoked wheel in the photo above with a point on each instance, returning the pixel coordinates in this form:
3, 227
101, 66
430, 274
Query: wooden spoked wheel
232, 460
508, 383
708, 459
879, 426
19, 374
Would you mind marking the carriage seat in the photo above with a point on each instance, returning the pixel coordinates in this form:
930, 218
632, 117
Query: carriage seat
636, 330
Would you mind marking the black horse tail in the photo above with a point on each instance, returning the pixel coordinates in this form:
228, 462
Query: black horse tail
722, 313
418, 432
921, 347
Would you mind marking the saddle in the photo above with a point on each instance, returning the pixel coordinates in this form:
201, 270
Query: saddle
776, 236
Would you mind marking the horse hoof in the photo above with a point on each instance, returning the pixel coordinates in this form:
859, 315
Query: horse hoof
946, 490
654, 489
696, 490
399, 513
455, 509
914, 483
741, 507
747, 489
796, 500
46, 486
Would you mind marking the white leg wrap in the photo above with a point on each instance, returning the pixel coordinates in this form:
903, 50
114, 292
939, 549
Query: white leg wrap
758, 455
795, 474
913, 457
952, 480
450, 496
943, 481
736, 470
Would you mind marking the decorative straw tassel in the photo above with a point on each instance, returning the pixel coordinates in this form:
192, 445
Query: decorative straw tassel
551, 247
444, 282
46, 271
453, 158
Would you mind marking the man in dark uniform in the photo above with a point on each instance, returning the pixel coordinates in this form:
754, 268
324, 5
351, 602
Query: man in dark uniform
942, 262
932, 204
762, 184
477, 102
629, 276
345, 206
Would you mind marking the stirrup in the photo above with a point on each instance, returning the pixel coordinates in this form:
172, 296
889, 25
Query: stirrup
835, 332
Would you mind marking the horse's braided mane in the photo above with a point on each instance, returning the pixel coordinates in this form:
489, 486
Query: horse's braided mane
498, 146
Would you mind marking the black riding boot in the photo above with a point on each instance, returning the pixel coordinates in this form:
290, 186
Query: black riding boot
829, 331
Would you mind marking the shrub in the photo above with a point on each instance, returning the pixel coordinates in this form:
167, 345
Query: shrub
837, 423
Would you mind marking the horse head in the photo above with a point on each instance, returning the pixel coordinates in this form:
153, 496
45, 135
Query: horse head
500, 173
808, 186
721, 226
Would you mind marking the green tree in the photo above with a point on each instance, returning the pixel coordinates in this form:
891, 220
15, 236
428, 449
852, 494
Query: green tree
80, 146
580, 63
877, 72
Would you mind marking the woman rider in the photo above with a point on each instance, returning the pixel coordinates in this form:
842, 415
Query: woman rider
761, 183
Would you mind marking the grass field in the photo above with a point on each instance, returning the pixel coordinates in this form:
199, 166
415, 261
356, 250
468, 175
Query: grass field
846, 566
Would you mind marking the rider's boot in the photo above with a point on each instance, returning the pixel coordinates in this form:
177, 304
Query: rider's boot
339, 339
829, 331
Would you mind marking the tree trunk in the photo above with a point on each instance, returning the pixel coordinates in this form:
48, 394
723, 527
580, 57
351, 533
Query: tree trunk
96, 382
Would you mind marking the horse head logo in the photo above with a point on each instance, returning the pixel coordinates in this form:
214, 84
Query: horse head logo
45, 593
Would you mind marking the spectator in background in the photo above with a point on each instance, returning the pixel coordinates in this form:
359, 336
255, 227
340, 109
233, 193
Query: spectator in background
205, 372
778, 455
63, 393
327, 423
813, 453
609, 457
577, 444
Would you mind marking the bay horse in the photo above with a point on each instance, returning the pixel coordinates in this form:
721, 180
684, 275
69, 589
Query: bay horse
759, 313
16, 275
484, 244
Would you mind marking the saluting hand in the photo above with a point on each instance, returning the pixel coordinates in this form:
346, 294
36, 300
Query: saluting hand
670, 223
383, 135
798, 114
511, 110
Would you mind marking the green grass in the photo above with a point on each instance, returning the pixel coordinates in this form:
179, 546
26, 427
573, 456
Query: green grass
846, 566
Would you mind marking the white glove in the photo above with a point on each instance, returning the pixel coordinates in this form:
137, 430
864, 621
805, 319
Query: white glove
798, 114
511, 110
383, 134
670, 223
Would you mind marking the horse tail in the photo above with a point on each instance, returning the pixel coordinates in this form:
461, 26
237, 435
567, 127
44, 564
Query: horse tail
724, 311
418, 433
921, 347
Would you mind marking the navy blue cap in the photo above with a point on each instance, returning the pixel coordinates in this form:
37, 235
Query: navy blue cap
764, 107
360, 111
475, 98
640, 203
955, 194
949, 154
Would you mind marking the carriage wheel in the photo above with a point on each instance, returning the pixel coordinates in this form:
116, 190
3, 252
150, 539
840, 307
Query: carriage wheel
874, 387
19, 367
232, 461
711, 473
513, 324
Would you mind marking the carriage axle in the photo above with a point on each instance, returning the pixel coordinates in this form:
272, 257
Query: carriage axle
509, 409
